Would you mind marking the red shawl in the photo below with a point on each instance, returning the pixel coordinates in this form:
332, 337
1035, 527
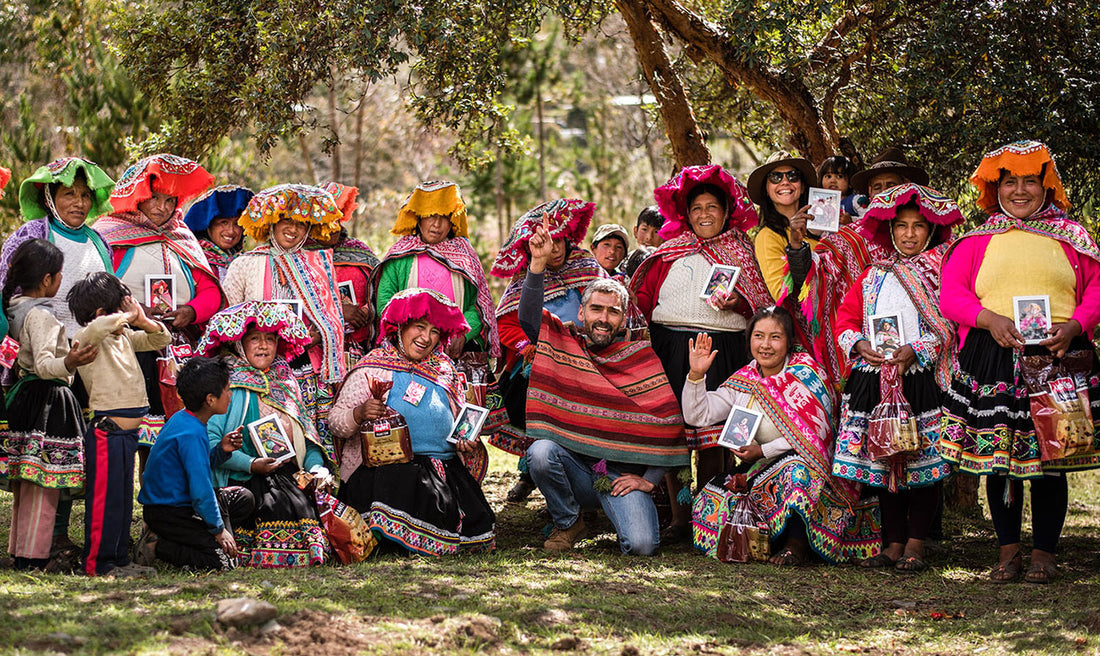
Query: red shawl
135, 229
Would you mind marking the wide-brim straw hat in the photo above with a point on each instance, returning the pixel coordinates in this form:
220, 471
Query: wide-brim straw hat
782, 158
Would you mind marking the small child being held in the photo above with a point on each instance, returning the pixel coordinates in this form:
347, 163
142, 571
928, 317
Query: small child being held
46, 429
180, 506
114, 322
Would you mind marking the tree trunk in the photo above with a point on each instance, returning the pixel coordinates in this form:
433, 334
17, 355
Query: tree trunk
337, 173
688, 147
307, 157
541, 137
783, 90
961, 492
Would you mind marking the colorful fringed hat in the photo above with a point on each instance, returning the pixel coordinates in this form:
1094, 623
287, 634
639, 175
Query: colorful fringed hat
5, 175
435, 197
345, 197
233, 323
937, 209
225, 202
303, 203
672, 199
569, 220
63, 171
165, 174
1018, 158
417, 303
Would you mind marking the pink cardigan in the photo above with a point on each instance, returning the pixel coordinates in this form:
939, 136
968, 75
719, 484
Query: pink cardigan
959, 302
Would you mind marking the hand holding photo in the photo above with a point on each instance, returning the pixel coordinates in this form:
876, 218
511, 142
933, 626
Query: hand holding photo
719, 284
886, 335
824, 210
740, 428
160, 293
1032, 316
468, 424
347, 292
270, 439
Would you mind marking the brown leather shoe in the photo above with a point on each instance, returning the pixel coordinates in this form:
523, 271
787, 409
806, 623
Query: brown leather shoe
564, 539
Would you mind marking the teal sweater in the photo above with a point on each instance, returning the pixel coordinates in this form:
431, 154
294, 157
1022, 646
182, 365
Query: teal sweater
238, 468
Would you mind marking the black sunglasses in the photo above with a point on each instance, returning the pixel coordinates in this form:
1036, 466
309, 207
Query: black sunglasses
777, 176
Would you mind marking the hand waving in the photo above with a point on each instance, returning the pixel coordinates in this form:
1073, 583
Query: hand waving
700, 356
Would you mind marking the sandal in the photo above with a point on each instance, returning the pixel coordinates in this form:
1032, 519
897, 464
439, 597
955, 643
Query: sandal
1041, 573
1007, 571
911, 563
881, 560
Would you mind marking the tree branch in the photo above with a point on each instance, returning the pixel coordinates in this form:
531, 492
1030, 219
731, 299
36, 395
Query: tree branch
827, 51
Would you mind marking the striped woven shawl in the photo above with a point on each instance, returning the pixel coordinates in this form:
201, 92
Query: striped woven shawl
615, 404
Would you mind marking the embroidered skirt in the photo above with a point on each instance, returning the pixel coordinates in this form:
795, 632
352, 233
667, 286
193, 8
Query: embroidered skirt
284, 530
987, 427
44, 443
837, 533
671, 347
428, 506
861, 394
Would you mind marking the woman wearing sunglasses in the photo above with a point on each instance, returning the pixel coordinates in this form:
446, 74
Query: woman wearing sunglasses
781, 187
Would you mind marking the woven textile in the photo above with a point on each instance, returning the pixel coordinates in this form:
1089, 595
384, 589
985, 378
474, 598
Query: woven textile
579, 269
428, 198
166, 174
233, 323
614, 404
134, 229
63, 172
569, 219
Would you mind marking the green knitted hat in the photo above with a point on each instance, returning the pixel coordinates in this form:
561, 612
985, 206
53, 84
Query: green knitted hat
64, 171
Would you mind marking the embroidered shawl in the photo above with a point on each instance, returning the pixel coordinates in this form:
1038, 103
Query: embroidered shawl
579, 269
437, 368
617, 404
1051, 221
799, 402
569, 219
459, 256
353, 252
135, 229
732, 247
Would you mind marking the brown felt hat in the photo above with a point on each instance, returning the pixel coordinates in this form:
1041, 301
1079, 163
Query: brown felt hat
777, 159
890, 160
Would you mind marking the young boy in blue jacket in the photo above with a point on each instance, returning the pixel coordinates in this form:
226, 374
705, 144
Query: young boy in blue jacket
179, 503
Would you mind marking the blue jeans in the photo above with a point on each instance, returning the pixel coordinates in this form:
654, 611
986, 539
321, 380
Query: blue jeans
566, 483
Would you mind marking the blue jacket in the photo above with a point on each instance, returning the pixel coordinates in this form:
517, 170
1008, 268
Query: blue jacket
178, 470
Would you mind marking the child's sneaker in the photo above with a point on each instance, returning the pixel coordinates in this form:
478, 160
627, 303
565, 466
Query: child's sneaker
132, 570
146, 548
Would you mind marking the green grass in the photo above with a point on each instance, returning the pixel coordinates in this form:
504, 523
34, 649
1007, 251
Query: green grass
521, 600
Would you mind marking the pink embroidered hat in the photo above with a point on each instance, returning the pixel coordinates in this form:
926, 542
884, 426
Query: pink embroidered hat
418, 303
233, 323
672, 199
937, 209
569, 220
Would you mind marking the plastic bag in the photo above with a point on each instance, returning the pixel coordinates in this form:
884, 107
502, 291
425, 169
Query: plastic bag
1059, 402
892, 435
474, 366
725, 524
745, 536
347, 532
386, 440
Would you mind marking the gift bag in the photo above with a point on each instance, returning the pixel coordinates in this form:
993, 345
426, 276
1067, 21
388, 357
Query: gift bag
345, 528
386, 440
745, 536
892, 435
1058, 395
474, 366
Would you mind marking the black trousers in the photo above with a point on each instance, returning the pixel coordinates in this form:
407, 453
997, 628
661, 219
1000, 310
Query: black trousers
1049, 503
183, 538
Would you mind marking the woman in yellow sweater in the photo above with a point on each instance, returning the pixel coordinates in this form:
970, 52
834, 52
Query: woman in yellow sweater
781, 187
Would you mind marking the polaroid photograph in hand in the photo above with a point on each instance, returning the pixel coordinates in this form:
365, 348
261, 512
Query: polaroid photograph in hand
270, 439
1032, 317
294, 304
160, 293
347, 292
468, 424
9, 352
824, 210
886, 335
741, 426
720, 284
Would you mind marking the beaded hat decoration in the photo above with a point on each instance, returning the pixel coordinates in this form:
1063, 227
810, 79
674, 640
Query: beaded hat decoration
64, 171
672, 199
345, 197
939, 210
224, 202
418, 303
569, 220
1018, 158
434, 197
165, 174
233, 323
303, 203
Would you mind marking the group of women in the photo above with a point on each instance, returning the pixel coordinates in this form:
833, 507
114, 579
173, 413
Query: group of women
335, 342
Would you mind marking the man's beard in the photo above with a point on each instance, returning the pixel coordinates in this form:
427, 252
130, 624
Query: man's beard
603, 339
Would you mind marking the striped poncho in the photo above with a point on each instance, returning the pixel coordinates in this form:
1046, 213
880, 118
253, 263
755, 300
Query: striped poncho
615, 404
